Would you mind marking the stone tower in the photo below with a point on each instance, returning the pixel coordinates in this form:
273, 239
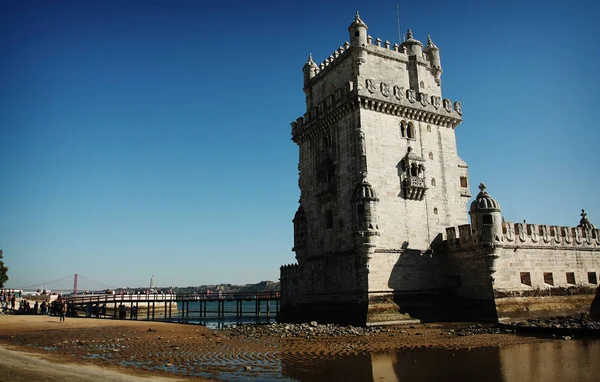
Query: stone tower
380, 179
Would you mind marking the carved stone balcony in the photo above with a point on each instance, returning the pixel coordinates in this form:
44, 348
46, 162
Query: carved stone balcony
414, 188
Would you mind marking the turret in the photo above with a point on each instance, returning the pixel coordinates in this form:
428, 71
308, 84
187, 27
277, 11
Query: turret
486, 218
358, 32
365, 200
413, 47
300, 232
309, 69
433, 55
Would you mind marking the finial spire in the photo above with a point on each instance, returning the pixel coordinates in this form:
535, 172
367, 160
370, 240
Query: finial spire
409, 34
482, 187
429, 41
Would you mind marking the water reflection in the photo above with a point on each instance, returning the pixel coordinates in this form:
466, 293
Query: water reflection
552, 361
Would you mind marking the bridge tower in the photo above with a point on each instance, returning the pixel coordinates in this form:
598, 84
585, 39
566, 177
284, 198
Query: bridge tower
75, 279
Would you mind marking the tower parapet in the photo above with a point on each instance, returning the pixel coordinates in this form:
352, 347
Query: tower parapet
525, 235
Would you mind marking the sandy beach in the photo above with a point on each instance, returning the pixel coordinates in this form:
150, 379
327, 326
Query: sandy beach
40, 348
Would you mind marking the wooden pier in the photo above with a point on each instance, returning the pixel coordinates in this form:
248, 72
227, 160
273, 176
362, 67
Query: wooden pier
170, 306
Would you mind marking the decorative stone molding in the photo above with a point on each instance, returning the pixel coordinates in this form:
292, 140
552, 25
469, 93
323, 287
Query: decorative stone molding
398, 90
411, 95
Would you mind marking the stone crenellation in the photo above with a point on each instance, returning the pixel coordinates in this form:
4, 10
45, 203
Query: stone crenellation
528, 235
395, 52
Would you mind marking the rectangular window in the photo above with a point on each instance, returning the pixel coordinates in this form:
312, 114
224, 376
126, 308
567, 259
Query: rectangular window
328, 219
526, 278
487, 219
571, 278
592, 278
463, 181
548, 278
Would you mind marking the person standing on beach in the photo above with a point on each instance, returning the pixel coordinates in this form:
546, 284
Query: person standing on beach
62, 311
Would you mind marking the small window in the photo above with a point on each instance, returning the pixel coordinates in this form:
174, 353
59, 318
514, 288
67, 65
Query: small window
526, 278
429, 128
328, 219
487, 219
571, 278
463, 181
592, 278
356, 34
430, 155
435, 211
410, 131
548, 278
403, 129
433, 182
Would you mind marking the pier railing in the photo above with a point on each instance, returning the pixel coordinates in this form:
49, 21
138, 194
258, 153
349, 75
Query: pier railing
175, 297
179, 304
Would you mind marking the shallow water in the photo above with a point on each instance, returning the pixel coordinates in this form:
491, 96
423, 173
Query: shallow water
554, 361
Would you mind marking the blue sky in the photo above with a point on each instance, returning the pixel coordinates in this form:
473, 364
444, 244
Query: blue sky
153, 137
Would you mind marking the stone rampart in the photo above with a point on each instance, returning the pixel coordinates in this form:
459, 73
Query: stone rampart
544, 236
525, 235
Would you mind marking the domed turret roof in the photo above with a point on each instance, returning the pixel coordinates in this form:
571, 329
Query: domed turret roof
357, 22
484, 202
365, 191
430, 45
410, 40
310, 63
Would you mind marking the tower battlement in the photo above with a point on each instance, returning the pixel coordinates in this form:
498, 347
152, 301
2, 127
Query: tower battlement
403, 80
523, 235
394, 52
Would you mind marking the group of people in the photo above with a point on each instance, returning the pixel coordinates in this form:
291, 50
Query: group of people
123, 312
8, 299
95, 310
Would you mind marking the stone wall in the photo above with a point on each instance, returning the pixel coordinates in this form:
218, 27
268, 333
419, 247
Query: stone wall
536, 269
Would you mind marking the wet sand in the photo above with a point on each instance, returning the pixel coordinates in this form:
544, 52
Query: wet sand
141, 349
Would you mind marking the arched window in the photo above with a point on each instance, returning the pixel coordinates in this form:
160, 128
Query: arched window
430, 155
433, 182
410, 131
414, 171
421, 171
403, 129
435, 211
